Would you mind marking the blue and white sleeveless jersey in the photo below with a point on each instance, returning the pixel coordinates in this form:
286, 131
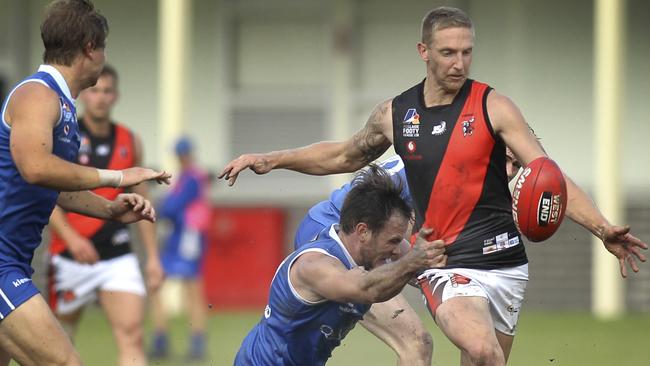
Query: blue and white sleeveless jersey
293, 330
25, 208
328, 212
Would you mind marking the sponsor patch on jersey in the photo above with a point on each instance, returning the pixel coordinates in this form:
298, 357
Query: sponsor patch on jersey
103, 150
411, 146
499, 242
67, 112
439, 129
411, 127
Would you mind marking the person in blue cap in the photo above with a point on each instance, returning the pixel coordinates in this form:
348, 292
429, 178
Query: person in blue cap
187, 208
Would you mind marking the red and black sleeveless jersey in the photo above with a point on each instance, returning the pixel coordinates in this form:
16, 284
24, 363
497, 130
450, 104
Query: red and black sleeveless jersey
456, 170
116, 151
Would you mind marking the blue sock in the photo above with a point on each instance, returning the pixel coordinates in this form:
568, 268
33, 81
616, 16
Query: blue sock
197, 345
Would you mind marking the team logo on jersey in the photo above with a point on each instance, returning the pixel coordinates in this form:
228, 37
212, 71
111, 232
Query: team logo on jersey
411, 127
468, 129
124, 151
439, 129
66, 129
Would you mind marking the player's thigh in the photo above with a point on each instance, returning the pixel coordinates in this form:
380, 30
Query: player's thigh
467, 322
31, 335
4, 357
396, 324
69, 321
505, 341
124, 311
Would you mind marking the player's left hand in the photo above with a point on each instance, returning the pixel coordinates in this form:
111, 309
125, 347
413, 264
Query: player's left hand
625, 246
155, 274
131, 207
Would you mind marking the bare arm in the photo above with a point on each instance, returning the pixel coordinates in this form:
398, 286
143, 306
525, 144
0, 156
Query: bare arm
317, 276
31, 146
325, 157
126, 208
509, 123
147, 231
81, 248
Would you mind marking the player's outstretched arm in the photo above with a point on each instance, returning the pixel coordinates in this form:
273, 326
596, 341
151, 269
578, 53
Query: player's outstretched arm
126, 208
32, 113
325, 157
80, 247
317, 276
509, 123
616, 239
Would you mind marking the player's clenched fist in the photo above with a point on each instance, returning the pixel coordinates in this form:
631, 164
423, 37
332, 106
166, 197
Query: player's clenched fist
428, 254
131, 207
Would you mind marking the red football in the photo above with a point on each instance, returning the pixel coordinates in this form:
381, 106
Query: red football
539, 199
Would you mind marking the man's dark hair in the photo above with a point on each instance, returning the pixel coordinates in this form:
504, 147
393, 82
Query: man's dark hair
109, 70
373, 199
68, 26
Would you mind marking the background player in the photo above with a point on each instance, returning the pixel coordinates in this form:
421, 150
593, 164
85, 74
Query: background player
38, 140
187, 207
320, 291
92, 258
469, 147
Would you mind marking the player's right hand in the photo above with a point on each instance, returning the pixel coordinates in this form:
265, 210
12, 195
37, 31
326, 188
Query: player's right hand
137, 175
428, 254
81, 249
256, 162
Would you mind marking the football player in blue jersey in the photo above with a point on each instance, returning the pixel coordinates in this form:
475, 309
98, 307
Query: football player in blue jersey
39, 139
322, 289
405, 333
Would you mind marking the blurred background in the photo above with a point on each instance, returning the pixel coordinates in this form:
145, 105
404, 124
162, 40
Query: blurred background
261, 75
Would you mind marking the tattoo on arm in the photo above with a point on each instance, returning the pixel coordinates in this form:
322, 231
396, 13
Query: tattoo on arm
370, 141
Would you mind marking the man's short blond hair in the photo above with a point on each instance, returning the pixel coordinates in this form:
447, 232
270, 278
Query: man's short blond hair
442, 18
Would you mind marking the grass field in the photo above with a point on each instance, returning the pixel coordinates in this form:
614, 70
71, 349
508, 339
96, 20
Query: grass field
574, 339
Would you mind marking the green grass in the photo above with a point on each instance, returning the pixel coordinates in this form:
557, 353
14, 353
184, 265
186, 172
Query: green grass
573, 339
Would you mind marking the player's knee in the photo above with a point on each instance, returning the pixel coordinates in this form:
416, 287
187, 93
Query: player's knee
417, 349
485, 354
130, 334
423, 343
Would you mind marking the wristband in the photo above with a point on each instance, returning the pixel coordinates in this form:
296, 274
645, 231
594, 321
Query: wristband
110, 178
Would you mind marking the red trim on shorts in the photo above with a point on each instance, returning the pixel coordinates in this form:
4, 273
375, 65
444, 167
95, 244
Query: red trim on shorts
51, 292
432, 299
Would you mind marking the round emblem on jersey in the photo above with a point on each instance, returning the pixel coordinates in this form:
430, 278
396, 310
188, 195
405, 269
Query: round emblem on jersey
66, 128
84, 159
124, 152
267, 312
410, 146
103, 150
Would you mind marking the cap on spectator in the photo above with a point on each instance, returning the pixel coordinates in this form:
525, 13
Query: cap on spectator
183, 146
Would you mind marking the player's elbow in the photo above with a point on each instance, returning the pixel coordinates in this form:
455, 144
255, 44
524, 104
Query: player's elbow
32, 173
372, 295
